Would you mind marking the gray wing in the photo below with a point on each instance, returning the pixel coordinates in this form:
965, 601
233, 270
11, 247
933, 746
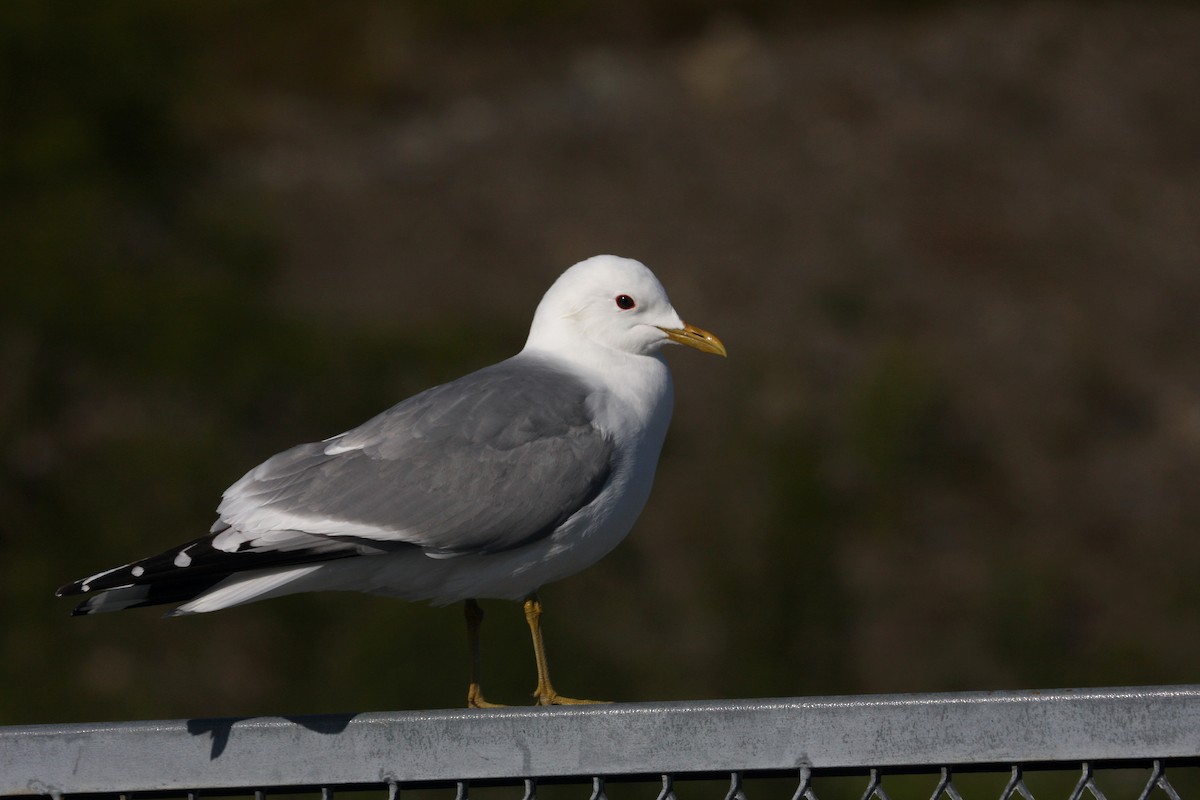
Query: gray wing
491, 461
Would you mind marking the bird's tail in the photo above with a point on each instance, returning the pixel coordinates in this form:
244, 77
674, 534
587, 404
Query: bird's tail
199, 595
196, 574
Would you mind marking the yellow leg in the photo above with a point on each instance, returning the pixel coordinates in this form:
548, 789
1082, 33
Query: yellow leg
545, 694
474, 616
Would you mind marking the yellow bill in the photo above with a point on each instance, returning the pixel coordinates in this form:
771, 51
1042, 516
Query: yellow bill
695, 337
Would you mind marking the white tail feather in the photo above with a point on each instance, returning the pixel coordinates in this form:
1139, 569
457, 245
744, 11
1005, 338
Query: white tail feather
238, 589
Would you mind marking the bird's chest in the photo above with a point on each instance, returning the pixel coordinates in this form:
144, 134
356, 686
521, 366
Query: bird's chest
634, 409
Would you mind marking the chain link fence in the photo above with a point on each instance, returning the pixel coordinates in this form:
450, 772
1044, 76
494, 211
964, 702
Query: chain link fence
1031, 745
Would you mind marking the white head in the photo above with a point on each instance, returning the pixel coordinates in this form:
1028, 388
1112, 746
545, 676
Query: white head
612, 303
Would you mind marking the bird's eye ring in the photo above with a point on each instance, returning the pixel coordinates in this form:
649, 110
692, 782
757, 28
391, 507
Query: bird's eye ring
625, 302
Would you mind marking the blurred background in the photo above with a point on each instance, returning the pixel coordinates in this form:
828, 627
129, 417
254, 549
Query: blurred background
952, 248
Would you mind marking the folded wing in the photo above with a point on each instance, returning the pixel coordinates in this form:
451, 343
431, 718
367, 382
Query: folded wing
492, 461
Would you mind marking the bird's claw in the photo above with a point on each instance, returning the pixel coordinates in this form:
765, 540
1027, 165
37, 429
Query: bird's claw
475, 699
553, 698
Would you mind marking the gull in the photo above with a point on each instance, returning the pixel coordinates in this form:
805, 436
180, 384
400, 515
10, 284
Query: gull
489, 486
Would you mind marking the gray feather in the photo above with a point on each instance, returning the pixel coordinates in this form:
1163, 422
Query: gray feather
488, 462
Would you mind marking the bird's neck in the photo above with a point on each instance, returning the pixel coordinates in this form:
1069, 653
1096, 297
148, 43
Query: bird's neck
633, 393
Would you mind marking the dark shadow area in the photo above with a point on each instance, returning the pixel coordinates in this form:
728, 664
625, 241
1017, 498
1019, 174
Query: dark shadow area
952, 248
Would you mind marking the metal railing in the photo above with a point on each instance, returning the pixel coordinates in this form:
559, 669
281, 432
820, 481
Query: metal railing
1152, 734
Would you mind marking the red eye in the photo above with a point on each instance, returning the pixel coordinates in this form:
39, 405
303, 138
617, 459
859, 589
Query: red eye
625, 302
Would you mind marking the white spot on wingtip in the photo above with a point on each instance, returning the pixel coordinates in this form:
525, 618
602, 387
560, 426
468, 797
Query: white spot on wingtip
182, 559
86, 586
138, 572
